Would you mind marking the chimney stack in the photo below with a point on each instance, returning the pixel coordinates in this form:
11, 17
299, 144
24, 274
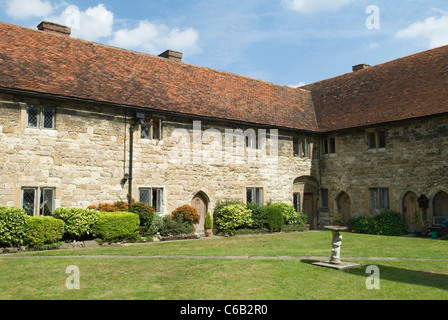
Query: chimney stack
360, 67
172, 55
54, 28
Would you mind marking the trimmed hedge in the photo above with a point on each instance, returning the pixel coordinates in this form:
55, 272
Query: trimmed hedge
234, 217
78, 222
117, 226
44, 230
387, 223
290, 215
13, 224
274, 217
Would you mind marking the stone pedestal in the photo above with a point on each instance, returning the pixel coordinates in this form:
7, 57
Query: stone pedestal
335, 259
336, 243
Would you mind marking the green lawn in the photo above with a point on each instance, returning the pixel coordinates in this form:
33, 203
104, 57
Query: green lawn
139, 277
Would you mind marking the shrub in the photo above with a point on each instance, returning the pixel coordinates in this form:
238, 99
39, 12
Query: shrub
78, 222
117, 226
258, 216
221, 204
290, 215
145, 214
233, 217
44, 230
13, 223
208, 223
144, 211
188, 214
157, 223
175, 225
388, 223
274, 217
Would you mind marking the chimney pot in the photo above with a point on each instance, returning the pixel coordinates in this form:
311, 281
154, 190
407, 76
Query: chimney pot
360, 67
54, 28
172, 55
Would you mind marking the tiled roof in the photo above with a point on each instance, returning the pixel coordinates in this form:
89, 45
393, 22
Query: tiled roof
410, 87
42, 62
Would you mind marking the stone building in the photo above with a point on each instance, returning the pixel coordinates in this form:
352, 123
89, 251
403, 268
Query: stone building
83, 123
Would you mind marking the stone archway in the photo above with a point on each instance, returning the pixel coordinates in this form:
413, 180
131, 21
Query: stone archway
344, 206
308, 187
201, 203
440, 205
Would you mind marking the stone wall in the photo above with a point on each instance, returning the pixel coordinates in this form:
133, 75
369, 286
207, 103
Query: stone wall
415, 159
86, 156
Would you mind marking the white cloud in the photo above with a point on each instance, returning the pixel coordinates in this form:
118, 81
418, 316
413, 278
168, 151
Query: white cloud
23, 9
433, 31
155, 39
311, 6
92, 24
300, 84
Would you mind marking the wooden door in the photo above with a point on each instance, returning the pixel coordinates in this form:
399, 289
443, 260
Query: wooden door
441, 204
308, 208
200, 204
410, 209
345, 207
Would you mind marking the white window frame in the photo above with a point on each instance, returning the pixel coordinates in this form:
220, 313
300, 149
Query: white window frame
157, 203
39, 200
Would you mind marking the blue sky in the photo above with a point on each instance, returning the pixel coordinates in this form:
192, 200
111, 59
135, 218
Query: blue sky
288, 42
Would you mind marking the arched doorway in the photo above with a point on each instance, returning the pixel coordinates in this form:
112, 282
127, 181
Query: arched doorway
344, 206
411, 210
307, 186
440, 205
200, 203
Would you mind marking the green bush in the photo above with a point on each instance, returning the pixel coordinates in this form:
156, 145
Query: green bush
117, 226
233, 217
387, 223
274, 217
258, 216
208, 223
290, 215
13, 224
145, 214
78, 222
175, 225
221, 204
157, 224
44, 230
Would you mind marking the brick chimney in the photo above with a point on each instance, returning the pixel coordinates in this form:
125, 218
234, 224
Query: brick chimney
360, 67
172, 55
54, 28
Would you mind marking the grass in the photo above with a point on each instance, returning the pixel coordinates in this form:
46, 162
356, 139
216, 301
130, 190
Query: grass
138, 278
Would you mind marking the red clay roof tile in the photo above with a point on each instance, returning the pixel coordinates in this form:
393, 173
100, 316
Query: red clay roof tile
41, 62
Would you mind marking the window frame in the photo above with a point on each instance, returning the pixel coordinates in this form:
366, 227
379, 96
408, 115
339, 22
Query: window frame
39, 202
329, 146
324, 198
257, 195
41, 117
377, 197
157, 203
297, 197
149, 132
376, 139
301, 148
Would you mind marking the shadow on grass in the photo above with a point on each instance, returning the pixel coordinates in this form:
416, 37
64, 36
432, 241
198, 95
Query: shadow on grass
415, 277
